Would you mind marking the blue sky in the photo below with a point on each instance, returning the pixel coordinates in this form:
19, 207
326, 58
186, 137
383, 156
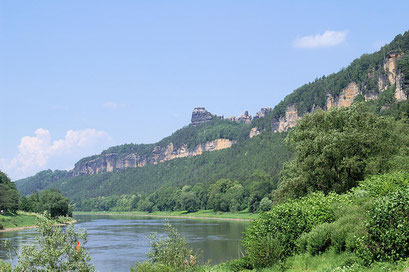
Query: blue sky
79, 76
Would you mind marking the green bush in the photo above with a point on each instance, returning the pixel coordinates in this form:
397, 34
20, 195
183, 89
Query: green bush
272, 236
1, 227
151, 267
5, 266
387, 235
55, 250
170, 253
239, 264
381, 185
317, 240
345, 230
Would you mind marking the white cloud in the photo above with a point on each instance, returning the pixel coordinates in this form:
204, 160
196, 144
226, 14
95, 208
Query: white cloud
327, 39
113, 105
35, 151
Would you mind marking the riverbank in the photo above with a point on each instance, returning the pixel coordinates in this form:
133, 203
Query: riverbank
26, 220
202, 214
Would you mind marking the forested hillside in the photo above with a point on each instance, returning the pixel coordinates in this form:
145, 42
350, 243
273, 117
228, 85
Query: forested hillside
131, 176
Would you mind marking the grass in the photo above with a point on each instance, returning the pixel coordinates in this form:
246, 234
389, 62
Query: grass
20, 219
25, 219
327, 262
243, 215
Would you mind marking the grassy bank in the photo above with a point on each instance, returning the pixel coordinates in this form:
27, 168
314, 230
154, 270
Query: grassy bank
329, 261
22, 220
204, 214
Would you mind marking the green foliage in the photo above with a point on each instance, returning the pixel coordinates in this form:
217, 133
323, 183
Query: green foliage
163, 182
387, 235
55, 250
171, 253
265, 204
226, 195
239, 264
386, 98
151, 267
317, 241
383, 185
50, 201
54, 203
40, 181
9, 196
273, 236
336, 149
363, 71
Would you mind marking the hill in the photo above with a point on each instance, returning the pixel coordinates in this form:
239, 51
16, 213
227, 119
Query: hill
241, 147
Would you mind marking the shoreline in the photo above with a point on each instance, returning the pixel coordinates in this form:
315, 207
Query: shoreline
164, 216
35, 226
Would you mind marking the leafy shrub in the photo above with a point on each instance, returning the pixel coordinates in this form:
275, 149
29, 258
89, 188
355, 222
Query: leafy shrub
151, 267
1, 227
170, 253
317, 240
381, 185
265, 204
387, 235
345, 230
55, 250
272, 237
239, 264
5, 266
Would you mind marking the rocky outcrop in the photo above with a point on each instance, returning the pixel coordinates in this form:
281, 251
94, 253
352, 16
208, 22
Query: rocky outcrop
345, 98
113, 161
288, 121
393, 76
245, 118
200, 115
254, 132
400, 95
263, 112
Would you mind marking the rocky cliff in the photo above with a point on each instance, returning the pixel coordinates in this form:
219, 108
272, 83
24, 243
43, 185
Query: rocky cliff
114, 161
387, 76
200, 115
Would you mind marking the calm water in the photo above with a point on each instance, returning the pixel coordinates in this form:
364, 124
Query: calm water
117, 242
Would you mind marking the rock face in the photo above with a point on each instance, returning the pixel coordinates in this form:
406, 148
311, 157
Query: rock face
387, 76
288, 121
254, 132
200, 115
263, 112
346, 97
245, 118
113, 161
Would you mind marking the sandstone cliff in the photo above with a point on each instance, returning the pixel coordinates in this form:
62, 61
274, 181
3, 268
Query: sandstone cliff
114, 161
388, 75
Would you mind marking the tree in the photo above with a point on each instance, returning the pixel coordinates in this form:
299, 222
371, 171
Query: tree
9, 196
55, 250
168, 254
336, 149
265, 204
54, 203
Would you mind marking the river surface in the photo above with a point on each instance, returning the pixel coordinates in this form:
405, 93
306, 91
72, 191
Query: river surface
116, 242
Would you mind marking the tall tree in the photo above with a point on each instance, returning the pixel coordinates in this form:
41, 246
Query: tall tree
336, 149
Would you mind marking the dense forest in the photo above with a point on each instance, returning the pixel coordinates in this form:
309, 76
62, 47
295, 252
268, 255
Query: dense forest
246, 163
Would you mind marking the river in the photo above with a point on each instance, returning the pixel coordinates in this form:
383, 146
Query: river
116, 242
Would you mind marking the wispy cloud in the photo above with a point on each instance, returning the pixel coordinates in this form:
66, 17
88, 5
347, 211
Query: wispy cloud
327, 39
35, 151
113, 105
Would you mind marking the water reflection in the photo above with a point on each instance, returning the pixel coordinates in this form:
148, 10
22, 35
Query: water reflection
117, 242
